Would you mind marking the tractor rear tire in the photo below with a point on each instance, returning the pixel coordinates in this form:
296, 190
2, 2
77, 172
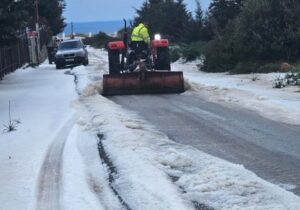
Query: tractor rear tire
114, 61
163, 59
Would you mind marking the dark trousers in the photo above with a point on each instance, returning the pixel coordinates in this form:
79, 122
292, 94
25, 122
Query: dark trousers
141, 50
139, 47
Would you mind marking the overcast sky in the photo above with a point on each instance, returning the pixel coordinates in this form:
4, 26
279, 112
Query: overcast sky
103, 10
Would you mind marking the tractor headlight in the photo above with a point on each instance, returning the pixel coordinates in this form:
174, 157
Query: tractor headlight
157, 37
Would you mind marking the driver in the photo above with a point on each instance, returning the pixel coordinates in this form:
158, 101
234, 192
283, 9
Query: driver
140, 40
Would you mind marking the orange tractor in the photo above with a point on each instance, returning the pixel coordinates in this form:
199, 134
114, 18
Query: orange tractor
147, 73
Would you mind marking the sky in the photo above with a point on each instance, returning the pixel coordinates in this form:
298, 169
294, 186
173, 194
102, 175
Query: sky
104, 10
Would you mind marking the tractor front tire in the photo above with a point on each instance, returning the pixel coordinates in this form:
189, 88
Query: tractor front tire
114, 61
163, 59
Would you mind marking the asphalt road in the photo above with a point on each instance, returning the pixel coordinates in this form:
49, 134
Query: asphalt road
268, 148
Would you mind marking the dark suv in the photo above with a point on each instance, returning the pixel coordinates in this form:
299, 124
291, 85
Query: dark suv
71, 53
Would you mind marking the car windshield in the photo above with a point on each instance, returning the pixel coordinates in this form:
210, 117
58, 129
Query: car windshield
69, 45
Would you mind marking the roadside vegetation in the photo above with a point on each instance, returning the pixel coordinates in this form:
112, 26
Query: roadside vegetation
187, 51
257, 38
236, 36
12, 124
99, 40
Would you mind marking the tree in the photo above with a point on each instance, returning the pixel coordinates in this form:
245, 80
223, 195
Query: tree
273, 29
265, 31
51, 15
220, 12
196, 28
168, 17
12, 20
16, 15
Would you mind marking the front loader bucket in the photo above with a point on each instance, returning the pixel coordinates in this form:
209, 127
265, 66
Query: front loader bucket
143, 83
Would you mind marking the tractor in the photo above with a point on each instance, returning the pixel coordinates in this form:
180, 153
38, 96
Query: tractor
140, 71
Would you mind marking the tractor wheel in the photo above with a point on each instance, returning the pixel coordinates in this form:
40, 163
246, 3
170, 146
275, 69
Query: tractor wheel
114, 61
163, 59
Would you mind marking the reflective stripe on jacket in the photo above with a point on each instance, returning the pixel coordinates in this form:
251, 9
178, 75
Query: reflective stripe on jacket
140, 33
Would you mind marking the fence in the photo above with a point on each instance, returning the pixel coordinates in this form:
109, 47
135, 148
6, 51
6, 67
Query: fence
13, 57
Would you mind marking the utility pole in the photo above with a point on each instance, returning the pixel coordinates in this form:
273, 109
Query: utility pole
72, 30
37, 28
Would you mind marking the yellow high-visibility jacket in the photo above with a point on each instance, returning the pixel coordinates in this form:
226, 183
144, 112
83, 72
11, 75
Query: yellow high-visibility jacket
140, 33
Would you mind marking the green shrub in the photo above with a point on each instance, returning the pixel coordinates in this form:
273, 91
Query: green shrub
296, 68
269, 67
246, 67
217, 57
292, 78
175, 53
260, 67
193, 50
99, 40
188, 52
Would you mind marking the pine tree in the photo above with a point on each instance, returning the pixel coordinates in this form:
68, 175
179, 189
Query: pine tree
17, 15
12, 20
265, 31
196, 28
220, 12
51, 15
270, 30
168, 17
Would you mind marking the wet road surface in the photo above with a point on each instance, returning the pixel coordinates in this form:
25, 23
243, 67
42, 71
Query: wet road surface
268, 148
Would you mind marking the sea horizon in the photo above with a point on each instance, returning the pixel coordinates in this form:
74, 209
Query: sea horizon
94, 27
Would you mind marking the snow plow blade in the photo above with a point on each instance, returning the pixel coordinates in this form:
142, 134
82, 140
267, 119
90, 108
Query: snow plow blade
155, 82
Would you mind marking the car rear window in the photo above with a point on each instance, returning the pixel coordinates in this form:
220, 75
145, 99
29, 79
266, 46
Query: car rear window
69, 45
